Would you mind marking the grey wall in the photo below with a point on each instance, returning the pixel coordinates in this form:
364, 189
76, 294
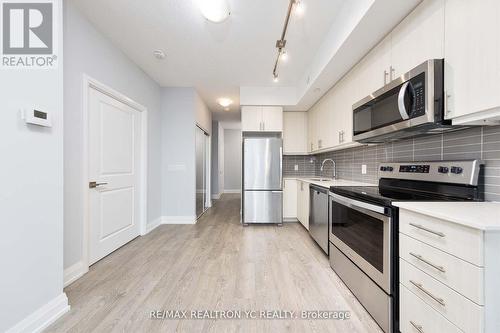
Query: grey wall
31, 199
88, 52
232, 160
178, 152
473, 143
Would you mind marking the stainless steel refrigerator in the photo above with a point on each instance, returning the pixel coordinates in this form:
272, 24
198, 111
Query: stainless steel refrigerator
262, 180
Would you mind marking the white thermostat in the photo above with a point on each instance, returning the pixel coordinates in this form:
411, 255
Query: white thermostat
35, 116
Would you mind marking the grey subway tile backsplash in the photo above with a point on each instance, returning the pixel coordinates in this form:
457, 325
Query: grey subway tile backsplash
472, 143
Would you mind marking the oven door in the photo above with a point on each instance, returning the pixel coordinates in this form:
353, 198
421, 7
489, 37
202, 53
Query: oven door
362, 232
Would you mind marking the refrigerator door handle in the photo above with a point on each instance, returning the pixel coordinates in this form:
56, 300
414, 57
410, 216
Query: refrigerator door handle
281, 167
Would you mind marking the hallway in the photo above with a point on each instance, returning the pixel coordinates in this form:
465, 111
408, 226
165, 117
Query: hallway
214, 265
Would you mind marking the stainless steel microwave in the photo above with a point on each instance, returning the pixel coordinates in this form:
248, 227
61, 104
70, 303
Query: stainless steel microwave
409, 106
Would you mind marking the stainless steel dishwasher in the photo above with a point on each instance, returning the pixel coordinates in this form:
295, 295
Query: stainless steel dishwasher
318, 216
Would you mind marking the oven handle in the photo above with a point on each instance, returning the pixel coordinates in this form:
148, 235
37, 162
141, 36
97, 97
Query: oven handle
359, 204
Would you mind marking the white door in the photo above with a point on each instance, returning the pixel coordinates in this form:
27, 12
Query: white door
472, 56
290, 198
251, 118
411, 41
272, 118
114, 164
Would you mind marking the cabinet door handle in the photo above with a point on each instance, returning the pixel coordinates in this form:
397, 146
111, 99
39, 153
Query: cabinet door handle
428, 293
391, 75
263, 126
447, 102
96, 184
386, 74
421, 227
422, 259
417, 327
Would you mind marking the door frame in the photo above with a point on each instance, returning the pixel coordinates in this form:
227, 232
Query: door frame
91, 83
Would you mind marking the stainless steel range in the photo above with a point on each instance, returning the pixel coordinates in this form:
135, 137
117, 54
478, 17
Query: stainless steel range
363, 237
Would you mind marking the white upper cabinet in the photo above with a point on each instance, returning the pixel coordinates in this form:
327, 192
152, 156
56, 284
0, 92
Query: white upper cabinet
419, 37
262, 119
472, 60
295, 133
312, 133
272, 118
251, 118
374, 68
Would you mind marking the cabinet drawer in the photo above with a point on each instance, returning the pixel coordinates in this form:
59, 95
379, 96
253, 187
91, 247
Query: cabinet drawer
417, 316
463, 242
455, 307
458, 274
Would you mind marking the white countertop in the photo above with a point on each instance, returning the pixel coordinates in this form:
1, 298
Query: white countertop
330, 182
477, 215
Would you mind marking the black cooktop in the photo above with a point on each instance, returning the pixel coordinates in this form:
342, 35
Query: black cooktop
389, 191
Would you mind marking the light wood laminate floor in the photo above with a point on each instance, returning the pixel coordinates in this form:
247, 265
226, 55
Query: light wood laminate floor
216, 264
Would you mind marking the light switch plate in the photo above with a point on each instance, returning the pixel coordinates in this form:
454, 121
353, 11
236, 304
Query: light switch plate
363, 169
296, 168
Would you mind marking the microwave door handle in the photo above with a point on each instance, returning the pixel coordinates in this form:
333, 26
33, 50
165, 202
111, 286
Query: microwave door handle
401, 101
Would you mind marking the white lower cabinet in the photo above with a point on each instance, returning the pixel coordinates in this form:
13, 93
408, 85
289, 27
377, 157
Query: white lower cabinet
448, 276
289, 199
303, 203
418, 317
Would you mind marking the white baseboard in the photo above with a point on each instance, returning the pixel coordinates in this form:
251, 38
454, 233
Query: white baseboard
74, 272
216, 196
290, 220
232, 191
43, 317
152, 225
178, 220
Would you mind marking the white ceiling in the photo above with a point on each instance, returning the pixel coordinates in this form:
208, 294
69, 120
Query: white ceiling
217, 59
235, 58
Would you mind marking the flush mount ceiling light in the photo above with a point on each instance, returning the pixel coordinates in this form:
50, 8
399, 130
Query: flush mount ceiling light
225, 102
214, 10
281, 43
159, 54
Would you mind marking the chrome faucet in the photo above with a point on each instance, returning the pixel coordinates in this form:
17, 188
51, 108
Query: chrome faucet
334, 166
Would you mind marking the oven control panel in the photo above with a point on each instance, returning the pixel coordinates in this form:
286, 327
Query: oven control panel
457, 172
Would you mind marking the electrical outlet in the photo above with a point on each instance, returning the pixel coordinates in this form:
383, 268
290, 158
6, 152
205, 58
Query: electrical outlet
363, 169
296, 168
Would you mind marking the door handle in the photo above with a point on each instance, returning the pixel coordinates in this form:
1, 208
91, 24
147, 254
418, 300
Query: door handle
428, 293
401, 101
422, 259
386, 74
96, 184
392, 70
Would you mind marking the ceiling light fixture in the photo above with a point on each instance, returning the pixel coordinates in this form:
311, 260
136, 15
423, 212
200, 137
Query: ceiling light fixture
299, 8
159, 54
284, 56
281, 43
214, 10
225, 102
